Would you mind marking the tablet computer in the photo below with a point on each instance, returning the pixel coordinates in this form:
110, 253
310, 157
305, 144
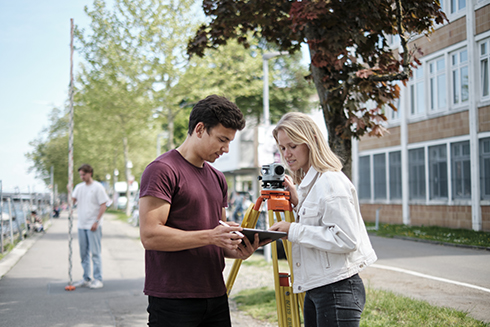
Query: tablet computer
263, 234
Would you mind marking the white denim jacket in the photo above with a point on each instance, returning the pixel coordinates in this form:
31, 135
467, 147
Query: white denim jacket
329, 242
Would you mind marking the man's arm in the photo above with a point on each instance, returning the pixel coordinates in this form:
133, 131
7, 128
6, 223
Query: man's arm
102, 209
155, 235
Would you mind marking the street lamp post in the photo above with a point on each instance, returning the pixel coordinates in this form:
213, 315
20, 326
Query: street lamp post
114, 195
129, 181
267, 122
265, 65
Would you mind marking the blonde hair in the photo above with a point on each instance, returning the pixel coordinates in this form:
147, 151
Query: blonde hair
301, 129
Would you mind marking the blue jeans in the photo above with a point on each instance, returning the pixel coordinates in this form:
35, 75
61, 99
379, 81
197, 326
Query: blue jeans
90, 246
339, 304
210, 312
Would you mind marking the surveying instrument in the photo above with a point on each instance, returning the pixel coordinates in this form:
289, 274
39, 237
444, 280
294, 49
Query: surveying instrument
278, 201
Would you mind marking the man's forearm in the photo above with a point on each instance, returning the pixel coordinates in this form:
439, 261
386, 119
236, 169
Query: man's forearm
102, 209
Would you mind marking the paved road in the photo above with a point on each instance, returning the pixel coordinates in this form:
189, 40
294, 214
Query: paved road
34, 276
442, 275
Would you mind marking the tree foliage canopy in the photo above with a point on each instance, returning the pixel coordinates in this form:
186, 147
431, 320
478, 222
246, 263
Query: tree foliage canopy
136, 80
351, 59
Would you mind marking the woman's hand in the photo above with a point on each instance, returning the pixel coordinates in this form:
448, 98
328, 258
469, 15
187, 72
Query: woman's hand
281, 226
289, 186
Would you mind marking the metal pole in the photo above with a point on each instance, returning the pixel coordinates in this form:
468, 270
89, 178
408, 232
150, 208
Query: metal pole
70, 167
265, 67
9, 201
51, 198
1, 218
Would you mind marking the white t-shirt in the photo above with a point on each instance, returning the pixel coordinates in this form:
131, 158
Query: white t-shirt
89, 199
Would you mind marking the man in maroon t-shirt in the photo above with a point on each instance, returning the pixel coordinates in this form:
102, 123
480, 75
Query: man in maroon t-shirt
182, 199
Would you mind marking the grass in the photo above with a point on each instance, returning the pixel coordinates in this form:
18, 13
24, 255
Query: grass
382, 308
121, 215
433, 233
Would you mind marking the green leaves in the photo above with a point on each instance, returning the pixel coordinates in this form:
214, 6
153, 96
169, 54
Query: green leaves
344, 38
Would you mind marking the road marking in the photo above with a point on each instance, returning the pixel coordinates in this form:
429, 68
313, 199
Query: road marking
444, 280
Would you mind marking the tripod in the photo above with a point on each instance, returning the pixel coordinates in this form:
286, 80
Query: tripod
287, 302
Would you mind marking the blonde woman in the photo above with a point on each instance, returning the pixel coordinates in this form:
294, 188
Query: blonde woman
330, 245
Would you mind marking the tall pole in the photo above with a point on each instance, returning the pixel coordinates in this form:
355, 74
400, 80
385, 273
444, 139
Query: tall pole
51, 196
267, 121
1, 218
70, 287
265, 67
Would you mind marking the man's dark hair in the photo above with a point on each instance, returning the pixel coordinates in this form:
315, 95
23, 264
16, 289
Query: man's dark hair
214, 110
86, 169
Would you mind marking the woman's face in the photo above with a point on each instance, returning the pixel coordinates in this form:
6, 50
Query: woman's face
296, 155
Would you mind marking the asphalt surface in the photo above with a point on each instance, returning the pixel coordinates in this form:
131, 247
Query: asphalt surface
35, 273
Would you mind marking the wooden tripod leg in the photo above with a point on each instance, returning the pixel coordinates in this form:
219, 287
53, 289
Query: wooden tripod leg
250, 218
277, 286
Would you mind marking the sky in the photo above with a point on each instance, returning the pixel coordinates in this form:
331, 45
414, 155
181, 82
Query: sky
34, 78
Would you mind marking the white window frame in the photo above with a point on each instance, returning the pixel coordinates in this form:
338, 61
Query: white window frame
457, 12
417, 93
437, 78
484, 155
484, 72
380, 190
459, 67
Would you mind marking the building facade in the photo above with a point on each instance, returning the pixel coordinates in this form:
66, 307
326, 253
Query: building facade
433, 167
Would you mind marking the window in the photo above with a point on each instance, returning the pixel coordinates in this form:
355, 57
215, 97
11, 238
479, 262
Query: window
364, 178
438, 172
459, 68
417, 93
379, 165
461, 174
484, 69
416, 174
395, 166
485, 168
457, 5
437, 84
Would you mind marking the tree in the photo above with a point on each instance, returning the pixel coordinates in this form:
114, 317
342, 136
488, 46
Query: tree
51, 151
351, 60
236, 73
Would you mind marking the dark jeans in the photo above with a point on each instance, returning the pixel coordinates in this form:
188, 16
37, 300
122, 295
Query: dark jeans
213, 312
336, 305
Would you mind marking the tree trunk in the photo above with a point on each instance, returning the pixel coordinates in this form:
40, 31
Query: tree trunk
333, 114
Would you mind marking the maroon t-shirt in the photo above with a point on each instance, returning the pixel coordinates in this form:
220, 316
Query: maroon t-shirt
197, 197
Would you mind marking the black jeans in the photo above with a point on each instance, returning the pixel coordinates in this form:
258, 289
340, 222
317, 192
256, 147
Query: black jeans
212, 312
339, 304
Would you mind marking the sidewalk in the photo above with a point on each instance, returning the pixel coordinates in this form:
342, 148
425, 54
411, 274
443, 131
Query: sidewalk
34, 276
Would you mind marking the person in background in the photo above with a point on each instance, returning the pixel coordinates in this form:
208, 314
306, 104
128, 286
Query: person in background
182, 200
330, 244
91, 200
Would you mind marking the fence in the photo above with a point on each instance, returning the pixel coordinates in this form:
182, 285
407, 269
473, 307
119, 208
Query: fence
18, 212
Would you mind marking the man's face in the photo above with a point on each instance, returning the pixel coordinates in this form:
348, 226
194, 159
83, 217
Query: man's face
85, 177
214, 143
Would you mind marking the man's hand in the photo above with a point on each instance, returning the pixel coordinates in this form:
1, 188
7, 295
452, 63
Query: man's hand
94, 226
243, 249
